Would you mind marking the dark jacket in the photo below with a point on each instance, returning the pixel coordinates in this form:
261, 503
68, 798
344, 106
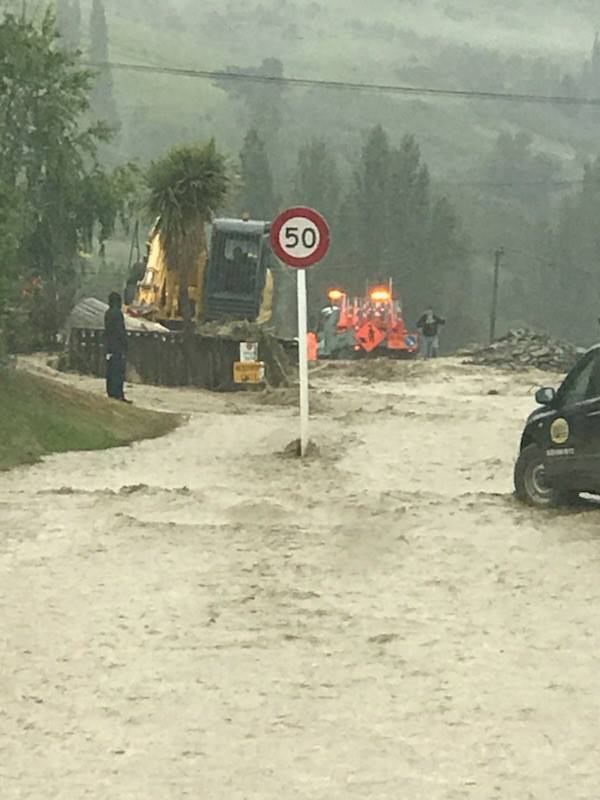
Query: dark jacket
430, 328
115, 333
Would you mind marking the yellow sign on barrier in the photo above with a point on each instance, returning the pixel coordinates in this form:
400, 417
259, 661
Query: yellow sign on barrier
248, 372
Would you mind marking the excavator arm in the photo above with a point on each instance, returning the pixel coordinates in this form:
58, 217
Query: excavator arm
266, 309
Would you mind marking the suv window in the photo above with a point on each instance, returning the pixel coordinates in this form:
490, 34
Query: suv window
583, 383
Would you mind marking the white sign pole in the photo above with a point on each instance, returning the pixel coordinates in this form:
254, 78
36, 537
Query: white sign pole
303, 361
300, 238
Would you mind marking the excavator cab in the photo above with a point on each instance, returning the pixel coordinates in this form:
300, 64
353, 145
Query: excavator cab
232, 279
237, 269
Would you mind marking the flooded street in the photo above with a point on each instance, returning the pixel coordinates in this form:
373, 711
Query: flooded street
201, 616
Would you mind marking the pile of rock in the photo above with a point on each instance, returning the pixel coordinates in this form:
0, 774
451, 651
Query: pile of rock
524, 349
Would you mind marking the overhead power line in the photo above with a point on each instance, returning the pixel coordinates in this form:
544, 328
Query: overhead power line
558, 184
415, 91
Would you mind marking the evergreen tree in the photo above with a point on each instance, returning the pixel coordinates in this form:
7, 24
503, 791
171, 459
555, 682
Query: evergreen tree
409, 204
316, 181
568, 88
13, 225
595, 65
572, 279
517, 172
396, 231
261, 102
49, 173
102, 100
68, 17
369, 237
257, 196
514, 209
76, 23
447, 275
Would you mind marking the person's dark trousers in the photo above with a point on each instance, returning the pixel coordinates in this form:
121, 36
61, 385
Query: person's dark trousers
115, 375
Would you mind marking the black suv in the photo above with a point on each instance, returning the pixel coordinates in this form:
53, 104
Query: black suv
560, 446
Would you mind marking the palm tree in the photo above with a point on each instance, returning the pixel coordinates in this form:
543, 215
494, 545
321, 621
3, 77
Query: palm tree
185, 187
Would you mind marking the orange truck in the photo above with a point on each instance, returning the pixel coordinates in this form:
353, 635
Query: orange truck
351, 327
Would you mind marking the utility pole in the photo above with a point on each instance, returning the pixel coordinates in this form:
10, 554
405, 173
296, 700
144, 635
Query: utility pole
497, 263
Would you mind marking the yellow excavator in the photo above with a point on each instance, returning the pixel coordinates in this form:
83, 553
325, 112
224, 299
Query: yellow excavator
232, 278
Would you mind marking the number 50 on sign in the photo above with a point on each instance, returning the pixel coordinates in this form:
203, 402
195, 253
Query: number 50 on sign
300, 237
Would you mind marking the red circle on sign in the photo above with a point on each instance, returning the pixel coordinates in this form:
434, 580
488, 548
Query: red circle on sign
306, 259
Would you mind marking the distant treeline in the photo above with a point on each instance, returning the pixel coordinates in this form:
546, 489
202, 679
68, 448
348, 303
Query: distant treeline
423, 192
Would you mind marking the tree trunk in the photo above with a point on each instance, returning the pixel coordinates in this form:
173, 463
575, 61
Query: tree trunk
185, 308
184, 249
191, 247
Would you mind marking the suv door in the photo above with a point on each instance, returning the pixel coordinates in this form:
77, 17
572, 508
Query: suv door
574, 433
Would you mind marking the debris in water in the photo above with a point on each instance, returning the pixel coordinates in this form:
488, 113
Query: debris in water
293, 450
524, 348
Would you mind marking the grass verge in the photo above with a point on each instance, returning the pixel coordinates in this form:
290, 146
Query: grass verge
40, 416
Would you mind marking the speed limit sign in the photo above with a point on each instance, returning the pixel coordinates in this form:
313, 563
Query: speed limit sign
300, 237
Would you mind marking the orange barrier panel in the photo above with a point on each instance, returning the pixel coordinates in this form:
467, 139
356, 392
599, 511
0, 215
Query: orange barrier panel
313, 347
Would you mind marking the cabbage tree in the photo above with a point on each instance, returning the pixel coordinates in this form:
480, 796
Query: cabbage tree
185, 188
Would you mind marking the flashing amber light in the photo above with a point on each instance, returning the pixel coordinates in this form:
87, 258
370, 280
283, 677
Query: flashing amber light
380, 295
335, 294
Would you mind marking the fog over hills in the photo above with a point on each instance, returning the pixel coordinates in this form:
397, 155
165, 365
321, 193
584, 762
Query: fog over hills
511, 173
523, 47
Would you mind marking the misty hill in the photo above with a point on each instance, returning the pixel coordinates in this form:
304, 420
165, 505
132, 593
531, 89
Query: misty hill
507, 167
457, 44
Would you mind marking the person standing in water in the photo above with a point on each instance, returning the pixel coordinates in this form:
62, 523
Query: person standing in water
115, 348
429, 325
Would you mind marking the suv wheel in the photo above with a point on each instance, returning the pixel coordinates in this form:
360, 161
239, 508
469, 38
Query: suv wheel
530, 481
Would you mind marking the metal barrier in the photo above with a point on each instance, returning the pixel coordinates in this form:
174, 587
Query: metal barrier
161, 358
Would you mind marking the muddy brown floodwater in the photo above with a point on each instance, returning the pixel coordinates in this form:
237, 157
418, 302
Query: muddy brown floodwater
200, 617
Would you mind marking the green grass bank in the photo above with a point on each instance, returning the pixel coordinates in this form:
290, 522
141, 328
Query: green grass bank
40, 416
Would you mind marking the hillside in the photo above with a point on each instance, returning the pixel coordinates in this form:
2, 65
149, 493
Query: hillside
512, 171
456, 44
41, 416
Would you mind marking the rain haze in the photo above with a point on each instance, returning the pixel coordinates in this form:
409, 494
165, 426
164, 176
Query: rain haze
299, 390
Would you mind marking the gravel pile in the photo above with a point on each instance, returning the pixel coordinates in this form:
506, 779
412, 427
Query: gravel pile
523, 349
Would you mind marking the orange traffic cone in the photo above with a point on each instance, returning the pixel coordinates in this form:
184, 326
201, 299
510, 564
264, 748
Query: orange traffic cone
313, 347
